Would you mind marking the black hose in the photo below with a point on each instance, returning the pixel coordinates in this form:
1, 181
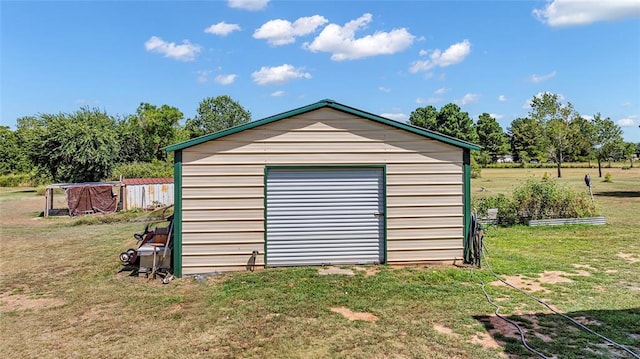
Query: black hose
634, 354
522, 338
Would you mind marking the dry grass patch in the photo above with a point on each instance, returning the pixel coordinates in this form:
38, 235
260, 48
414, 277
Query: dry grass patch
17, 302
351, 315
629, 257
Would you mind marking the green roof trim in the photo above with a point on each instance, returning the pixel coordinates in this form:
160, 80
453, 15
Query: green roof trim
318, 105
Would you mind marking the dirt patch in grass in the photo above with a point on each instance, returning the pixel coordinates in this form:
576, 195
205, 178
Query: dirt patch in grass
519, 281
536, 328
486, 341
534, 285
9, 303
502, 327
442, 329
580, 272
553, 277
351, 315
582, 265
587, 321
335, 271
368, 271
629, 257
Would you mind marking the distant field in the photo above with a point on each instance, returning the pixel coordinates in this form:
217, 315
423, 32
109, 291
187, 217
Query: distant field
61, 296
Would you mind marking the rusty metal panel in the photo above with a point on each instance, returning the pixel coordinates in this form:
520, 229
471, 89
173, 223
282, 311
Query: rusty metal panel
148, 196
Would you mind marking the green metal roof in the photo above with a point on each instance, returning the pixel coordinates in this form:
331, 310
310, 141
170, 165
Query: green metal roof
318, 105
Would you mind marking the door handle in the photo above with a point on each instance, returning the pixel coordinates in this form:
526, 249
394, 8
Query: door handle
379, 214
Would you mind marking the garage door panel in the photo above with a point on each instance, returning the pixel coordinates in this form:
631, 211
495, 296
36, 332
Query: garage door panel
324, 216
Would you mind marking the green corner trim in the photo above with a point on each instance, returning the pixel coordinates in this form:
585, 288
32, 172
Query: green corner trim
466, 192
177, 214
314, 106
264, 222
385, 259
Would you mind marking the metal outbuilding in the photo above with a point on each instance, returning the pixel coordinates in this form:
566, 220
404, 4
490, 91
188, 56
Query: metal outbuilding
146, 193
318, 185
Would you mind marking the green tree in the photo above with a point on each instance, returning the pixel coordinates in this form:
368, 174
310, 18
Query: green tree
581, 136
554, 117
629, 152
143, 135
492, 138
12, 155
452, 121
527, 143
425, 117
607, 139
76, 147
216, 114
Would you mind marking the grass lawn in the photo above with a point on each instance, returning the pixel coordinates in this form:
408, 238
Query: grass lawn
61, 296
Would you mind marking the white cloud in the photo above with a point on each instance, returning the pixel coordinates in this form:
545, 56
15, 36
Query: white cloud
496, 116
502, 98
281, 32
580, 12
454, 54
395, 116
203, 76
341, 42
185, 52
430, 100
251, 5
423, 52
277, 94
587, 117
468, 99
222, 29
629, 121
278, 75
626, 122
441, 90
627, 104
540, 78
226, 79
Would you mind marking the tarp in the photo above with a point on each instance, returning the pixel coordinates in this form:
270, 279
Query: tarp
95, 198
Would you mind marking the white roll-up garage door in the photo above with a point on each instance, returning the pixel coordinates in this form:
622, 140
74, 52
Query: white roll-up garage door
324, 216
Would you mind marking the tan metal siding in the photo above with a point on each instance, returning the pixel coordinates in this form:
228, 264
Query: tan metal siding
223, 187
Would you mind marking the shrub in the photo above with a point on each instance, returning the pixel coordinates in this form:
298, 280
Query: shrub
537, 199
608, 178
15, 180
545, 198
124, 216
507, 214
143, 170
476, 169
626, 167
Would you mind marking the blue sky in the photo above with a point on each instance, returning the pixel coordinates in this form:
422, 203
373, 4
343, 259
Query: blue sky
384, 57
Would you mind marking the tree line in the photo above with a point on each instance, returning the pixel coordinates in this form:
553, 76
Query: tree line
91, 145
553, 131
